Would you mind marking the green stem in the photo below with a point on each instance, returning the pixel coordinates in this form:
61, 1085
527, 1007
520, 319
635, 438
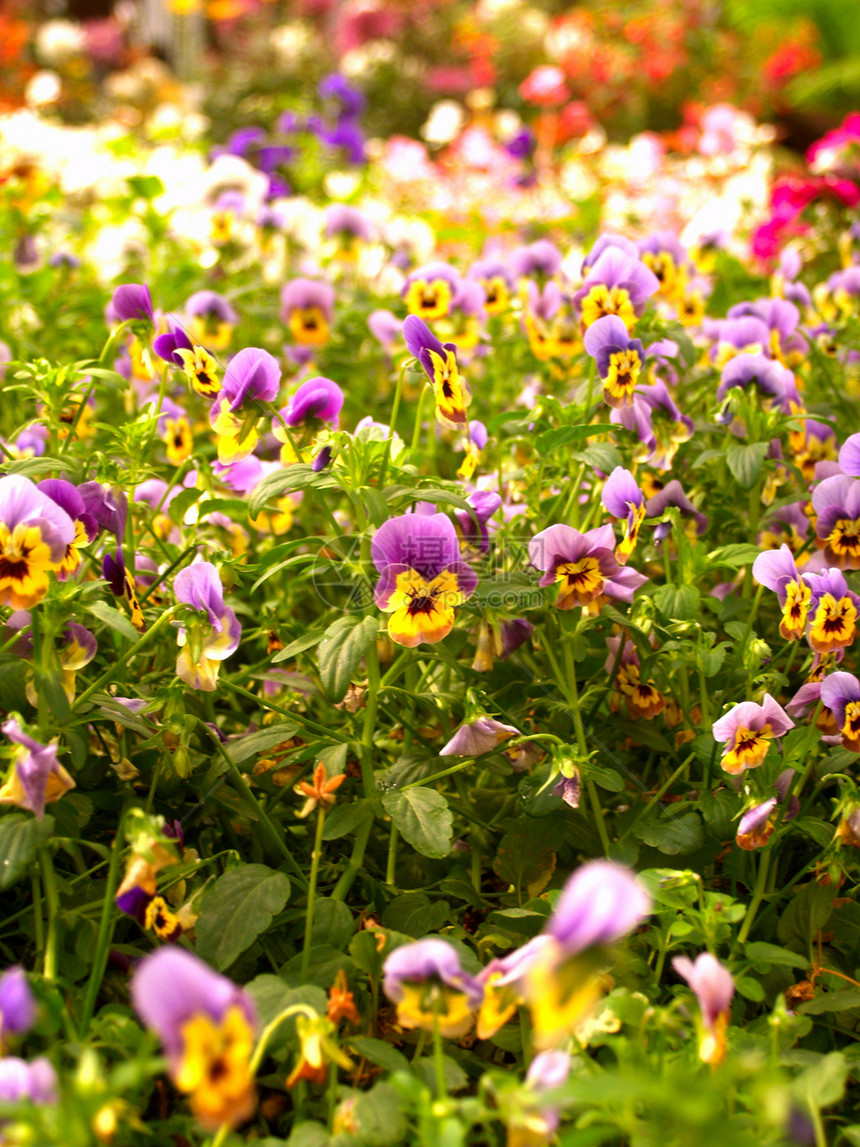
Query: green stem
391, 865
416, 430
245, 790
52, 904
654, 801
110, 673
758, 893
312, 894
271, 1027
438, 1057
38, 922
105, 928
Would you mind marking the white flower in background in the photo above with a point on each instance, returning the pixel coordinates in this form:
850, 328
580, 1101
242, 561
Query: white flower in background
59, 40
362, 61
290, 42
340, 185
444, 123
44, 88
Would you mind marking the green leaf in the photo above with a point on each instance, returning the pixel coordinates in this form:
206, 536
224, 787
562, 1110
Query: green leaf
380, 1117
734, 556
527, 851
609, 779
805, 915
345, 643
237, 909
602, 456
20, 837
308, 1134
415, 914
455, 1078
761, 953
842, 1001
259, 741
344, 819
745, 461
306, 641
672, 835
380, 1053
181, 504
551, 440
678, 602
333, 923
114, 619
146, 186
423, 819
299, 476
271, 996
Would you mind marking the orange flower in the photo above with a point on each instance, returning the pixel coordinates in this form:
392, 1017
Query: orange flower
341, 1005
320, 792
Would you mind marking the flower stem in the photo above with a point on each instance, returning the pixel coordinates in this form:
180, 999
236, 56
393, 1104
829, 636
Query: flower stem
105, 928
312, 893
758, 893
52, 904
110, 673
438, 1057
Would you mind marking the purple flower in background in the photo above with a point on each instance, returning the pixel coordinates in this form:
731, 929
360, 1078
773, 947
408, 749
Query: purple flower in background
204, 645
541, 259
34, 1082
849, 456
616, 284
108, 505
601, 902
497, 279
673, 494
427, 983
132, 303
770, 377
307, 307
211, 319
422, 577
604, 241
37, 777
429, 290
350, 100
484, 503
347, 224
657, 421
385, 327
714, 987
477, 737
206, 1024
17, 1006
240, 142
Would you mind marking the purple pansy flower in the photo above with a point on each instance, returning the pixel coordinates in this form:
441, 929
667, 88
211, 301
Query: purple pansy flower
776, 570
17, 1006
422, 576
307, 307
132, 303
196, 1014
836, 501
623, 499
583, 565
601, 902
616, 284
427, 983
714, 987
619, 358
484, 503
756, 826
429, 290
440, 364
206, 644
834, 610
747, 730
673, 494
773, 379
477, 737
37, 777
317, 400
840, 693
34, 536
20, 1081
541, 259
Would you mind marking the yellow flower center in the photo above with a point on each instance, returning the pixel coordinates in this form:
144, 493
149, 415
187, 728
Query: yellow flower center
602, 300
579, 582
621, 377
834, 623
308, 326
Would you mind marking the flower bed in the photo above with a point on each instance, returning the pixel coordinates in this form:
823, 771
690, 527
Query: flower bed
428, 658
